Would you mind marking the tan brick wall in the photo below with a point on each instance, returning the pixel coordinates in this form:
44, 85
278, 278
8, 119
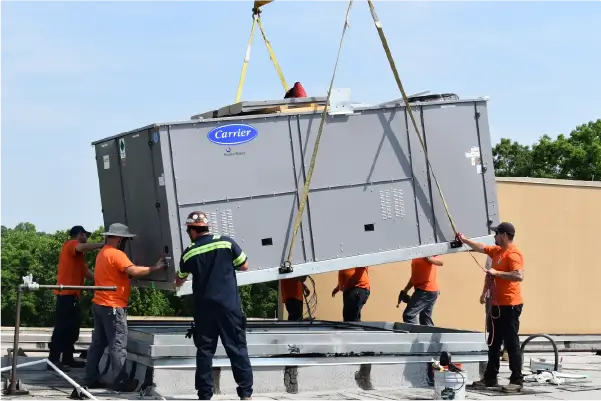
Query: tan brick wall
558, 226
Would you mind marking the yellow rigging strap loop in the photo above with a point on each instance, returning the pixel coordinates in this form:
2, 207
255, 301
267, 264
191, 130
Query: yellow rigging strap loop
246, 59
395, 72
272, 56
303, 199
378, 25
259, 4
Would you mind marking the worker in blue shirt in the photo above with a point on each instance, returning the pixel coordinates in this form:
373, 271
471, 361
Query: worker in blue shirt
212, 261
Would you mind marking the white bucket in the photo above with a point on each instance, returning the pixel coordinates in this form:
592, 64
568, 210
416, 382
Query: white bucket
449, 385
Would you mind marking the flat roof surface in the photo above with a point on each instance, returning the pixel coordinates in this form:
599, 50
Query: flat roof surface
49, 385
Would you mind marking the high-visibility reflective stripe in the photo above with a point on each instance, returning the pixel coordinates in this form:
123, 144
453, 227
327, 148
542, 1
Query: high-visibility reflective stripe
207, 248
181, 275
216, 236
240, 259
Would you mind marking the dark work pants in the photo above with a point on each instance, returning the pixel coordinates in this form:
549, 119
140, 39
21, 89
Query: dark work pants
295, 309
110, 330
211, 322
66, 328
353, 301
420, 305
504, 330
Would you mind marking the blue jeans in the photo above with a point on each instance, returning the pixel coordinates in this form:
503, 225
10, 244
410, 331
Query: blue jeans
420, 306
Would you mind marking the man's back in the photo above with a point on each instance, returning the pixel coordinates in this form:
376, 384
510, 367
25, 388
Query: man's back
110, 271
71, 268
212, 260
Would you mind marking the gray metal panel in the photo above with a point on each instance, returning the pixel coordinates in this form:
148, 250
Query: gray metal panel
304, 235
371, 259
139, 185
261, 226
109, 179
208, 172
421, 185
363, 219
489, 181
162, 192
451, 134
357, 149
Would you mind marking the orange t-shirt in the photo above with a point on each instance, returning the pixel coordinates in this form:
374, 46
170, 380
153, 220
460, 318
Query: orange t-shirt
354, 277
71, 268
423, 275
291, 289
110, 271
505, 292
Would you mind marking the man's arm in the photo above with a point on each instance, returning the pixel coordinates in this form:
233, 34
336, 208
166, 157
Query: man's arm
182, 273
240, 260
88, 247
435, 261
89, 274
409, 285
476, 246
516, 266
122, 262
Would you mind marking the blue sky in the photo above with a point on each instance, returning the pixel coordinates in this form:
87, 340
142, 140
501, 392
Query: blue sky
75, 72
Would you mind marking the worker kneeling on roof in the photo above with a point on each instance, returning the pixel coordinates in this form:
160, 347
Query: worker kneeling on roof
421, 304
113, 268
506, 275
354, 284
212, 260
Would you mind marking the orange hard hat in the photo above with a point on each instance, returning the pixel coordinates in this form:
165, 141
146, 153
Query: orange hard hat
197, 219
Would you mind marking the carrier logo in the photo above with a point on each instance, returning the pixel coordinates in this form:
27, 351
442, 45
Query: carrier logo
232, 134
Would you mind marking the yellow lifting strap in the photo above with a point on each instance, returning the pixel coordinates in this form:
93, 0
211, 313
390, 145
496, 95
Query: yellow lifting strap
257, 21
378, 24
395, 72
303, 200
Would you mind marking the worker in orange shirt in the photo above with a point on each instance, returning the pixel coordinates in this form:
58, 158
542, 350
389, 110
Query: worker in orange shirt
113, 268
292, 290
72, 270
423, 279
507, 273
354, 284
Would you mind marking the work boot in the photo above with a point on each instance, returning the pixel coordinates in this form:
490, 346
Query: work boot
59, 365
96, 385
512, 388
485, 383
505, 356
128, 386
68, 360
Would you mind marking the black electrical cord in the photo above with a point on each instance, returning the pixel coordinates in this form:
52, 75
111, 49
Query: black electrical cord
310, 301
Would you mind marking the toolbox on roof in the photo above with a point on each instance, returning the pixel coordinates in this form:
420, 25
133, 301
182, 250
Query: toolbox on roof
371, 200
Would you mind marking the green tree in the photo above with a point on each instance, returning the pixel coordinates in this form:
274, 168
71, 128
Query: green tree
26, 251
577, 157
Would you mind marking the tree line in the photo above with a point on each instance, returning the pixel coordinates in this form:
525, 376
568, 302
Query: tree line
28, 251
25, 250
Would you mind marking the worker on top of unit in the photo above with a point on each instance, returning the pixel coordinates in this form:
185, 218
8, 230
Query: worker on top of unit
505, 277
292, 290
72, 270
212, 261
423, 278
113, 268
355, 287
